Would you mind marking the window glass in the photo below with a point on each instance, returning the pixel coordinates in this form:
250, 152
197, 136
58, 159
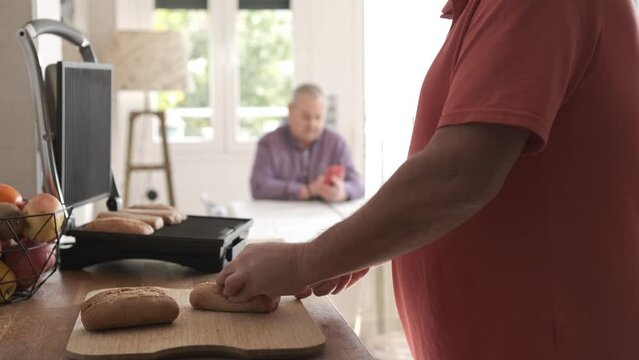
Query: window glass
263, 47
188, 113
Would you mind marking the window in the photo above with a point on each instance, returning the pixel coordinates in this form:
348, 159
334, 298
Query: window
263, 40
241, 70
188, 114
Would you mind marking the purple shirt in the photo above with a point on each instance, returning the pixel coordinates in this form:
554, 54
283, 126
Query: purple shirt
282, 168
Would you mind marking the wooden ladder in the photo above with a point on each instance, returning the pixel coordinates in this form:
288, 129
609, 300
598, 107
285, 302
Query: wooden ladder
164, 165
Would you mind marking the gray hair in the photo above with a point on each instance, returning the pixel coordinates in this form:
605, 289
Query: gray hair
307, 89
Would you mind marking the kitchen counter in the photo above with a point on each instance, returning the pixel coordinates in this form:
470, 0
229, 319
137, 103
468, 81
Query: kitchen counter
39, 328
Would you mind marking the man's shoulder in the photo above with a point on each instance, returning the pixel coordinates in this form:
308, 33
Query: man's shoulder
275, 136
333, 136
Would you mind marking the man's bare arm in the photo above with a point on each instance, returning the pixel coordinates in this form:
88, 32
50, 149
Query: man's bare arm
460, 170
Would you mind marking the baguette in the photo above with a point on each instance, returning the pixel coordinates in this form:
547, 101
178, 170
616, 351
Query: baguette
155, 221
127, 307
170, 217
208, 296
119, 225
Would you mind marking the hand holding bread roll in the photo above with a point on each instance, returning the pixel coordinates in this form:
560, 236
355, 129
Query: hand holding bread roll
155, 221
208, 296
119, 225
128, 306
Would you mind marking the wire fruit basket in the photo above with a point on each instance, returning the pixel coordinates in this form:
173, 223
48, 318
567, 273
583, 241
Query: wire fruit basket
29, 252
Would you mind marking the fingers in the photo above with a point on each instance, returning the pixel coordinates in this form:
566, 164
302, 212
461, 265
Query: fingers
337, 180
356, 276
332, 286
224, 274
342, 283
325, 287
304, 293
233, 285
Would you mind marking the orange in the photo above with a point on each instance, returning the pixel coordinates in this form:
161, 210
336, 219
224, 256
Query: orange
9, 194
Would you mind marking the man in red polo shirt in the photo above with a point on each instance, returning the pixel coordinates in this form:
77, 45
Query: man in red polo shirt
514, 224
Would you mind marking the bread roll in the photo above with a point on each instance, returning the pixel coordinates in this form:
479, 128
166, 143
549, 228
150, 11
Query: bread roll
128, 306
208, 296
119, 225
155, 221
170, 217
152, 206
159, 207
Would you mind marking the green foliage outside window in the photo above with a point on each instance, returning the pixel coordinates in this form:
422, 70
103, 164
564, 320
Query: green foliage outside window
266, 67
263, 46
264, 50
193, 24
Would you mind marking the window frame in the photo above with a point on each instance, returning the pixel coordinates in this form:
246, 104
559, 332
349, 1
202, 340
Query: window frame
224, 76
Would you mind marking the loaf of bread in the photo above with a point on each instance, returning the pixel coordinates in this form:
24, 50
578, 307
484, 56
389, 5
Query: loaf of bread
158, 207
155, 221
127, 307
208, 296
170, 217
119, 225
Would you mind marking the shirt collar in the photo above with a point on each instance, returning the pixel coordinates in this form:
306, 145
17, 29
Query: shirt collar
294, 142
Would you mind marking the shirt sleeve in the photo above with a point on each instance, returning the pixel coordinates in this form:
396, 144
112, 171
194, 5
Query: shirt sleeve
264, 183
516, 65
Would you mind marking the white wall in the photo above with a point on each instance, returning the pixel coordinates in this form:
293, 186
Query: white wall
17, 126
400, 43
19, 161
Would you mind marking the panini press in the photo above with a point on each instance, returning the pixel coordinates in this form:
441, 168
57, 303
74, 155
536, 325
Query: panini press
73, 122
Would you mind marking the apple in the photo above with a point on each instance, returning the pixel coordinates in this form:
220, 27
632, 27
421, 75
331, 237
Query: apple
11, 221
43, 218
27, 265
7, 283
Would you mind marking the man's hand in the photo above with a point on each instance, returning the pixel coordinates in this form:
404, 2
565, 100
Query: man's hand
332, 286
331, 193
271, 269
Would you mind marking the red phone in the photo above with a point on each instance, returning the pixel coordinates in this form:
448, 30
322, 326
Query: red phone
333, 170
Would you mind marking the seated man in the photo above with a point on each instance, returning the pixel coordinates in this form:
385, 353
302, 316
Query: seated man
302, 159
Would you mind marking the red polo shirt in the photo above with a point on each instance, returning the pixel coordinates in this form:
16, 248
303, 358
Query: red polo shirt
549, 269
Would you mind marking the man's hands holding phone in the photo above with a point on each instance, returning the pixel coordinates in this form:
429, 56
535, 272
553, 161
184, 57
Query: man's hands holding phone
332, 172
330, 186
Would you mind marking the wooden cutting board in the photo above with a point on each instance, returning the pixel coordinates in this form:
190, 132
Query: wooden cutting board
288, 332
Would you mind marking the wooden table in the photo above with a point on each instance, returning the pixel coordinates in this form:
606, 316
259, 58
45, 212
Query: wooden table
39, 328
291, 221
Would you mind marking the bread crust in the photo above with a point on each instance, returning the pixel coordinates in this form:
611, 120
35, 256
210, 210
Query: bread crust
152, 206
127, 307
170, 217
155, 221
208, 296
119, 225
183, 216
